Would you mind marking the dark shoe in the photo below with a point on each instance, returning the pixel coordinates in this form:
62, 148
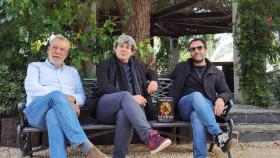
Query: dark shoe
156, 142
95, 153
225, 142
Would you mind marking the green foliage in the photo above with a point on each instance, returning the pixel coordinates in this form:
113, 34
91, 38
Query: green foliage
163, 58
254, 40
183, 52
26, 25
92, 46
11, 91
275, 84
144, 50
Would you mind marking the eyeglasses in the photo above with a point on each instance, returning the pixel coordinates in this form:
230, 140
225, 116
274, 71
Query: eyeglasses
194, 48
59, 48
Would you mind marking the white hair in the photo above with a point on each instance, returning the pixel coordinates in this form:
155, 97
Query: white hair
60, 37
126, 39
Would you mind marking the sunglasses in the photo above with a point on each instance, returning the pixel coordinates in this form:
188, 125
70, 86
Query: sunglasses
192, 49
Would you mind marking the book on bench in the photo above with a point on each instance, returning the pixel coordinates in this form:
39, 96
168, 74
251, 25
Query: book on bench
165, 109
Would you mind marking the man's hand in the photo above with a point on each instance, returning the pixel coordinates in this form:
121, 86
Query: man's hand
71, 98
140, 100
152, 87
76, 108
219, 106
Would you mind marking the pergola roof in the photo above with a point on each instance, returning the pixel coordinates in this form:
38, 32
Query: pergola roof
192, 17
176, 18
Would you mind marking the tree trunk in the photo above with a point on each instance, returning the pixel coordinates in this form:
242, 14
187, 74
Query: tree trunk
138, 25
139, 21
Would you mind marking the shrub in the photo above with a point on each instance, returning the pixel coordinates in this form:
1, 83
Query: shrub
256, 46
11, 91
275, 84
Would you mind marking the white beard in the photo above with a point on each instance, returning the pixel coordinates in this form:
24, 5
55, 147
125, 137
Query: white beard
55, 62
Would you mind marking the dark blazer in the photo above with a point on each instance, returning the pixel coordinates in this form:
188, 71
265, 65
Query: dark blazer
215, 84
106, 81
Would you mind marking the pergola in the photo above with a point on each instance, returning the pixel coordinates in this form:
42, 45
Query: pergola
192, 17
195, 17
188, 17
175, 18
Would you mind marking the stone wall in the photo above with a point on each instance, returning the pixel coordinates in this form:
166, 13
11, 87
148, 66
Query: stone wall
9, 131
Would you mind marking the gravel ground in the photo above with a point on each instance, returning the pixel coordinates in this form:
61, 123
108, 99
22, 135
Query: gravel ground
242, 150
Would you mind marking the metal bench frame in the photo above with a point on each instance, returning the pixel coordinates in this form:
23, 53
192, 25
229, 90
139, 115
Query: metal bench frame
24, 130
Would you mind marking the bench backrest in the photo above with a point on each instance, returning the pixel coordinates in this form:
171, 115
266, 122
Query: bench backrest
164, 85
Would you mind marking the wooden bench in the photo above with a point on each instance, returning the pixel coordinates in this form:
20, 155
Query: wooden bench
24, 130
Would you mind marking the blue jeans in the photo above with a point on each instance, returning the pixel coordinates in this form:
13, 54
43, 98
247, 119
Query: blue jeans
55, 113
199, 110
121, 109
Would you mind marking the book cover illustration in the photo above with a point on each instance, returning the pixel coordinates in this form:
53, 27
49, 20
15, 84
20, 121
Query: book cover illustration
165, 109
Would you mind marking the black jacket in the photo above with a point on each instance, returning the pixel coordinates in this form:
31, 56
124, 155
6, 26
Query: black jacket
215, 84
106, 82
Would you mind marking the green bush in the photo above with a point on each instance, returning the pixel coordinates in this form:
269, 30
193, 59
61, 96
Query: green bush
25, 26
164, 59
256, 47
275, 84
11, 91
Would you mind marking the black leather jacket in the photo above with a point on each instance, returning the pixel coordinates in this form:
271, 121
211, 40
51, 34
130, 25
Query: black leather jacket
215, 84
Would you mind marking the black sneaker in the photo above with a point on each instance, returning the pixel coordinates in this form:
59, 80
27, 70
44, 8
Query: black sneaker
225, 142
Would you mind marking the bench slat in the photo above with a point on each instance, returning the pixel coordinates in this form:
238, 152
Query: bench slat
97, 126
93, 126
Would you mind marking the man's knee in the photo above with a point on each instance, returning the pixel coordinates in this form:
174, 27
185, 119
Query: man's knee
58, 96
125, 96
56, 93
196, 95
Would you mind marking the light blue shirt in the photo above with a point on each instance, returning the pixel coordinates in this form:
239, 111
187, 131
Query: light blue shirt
43, 78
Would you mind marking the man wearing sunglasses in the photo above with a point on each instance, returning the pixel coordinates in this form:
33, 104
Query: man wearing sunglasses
201, 92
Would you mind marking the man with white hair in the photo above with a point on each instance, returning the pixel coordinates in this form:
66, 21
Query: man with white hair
54, 95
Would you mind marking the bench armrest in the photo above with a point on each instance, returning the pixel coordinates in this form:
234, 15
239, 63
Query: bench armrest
227, 108
23, 121
224, 117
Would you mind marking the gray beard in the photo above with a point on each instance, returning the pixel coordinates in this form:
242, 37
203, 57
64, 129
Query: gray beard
55, 62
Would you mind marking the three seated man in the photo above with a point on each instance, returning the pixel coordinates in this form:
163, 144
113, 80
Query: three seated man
55, 94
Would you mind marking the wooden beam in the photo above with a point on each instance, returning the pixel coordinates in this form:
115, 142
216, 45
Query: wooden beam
206, 20
200, 25
196, 15
189, 29
160, 27
190, 32
176, 8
